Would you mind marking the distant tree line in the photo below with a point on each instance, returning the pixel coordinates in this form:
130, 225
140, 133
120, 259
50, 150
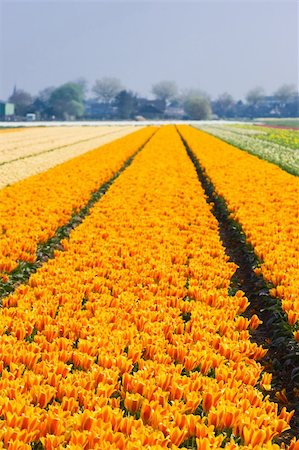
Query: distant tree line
284, 102
110, 100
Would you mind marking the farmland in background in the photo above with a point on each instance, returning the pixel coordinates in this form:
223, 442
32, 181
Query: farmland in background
279, 146
29, 151
283, 122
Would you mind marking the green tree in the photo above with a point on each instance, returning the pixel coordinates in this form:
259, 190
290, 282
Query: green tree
41, 103
197, 107
45, 94
66, 101
126, 102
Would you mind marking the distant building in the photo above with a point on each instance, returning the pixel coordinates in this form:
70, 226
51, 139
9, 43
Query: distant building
272, 106
150, 109
174, 111
100, 111
30, 117
7, 111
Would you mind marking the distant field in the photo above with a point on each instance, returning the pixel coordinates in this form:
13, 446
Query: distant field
35, 150
290, 122
5, 130
278, 146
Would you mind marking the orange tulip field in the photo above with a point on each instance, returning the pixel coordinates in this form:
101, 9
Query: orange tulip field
125, 321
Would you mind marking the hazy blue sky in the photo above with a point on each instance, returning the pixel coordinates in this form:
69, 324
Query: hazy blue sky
217, 46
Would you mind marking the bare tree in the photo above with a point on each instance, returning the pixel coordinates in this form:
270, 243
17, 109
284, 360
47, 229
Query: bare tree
194, 92
285, 93
22, 100
255, 95
223, 106
165, 91
107, 88
83, 83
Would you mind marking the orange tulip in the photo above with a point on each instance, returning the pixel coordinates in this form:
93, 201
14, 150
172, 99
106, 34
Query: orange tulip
281, 396
119, 327
294, 445
177, 436
132, 402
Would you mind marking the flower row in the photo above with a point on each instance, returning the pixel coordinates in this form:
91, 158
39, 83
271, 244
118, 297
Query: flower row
128, 339
34, 141
284, 137
40, 155
264, 200
32, 210
279, 149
